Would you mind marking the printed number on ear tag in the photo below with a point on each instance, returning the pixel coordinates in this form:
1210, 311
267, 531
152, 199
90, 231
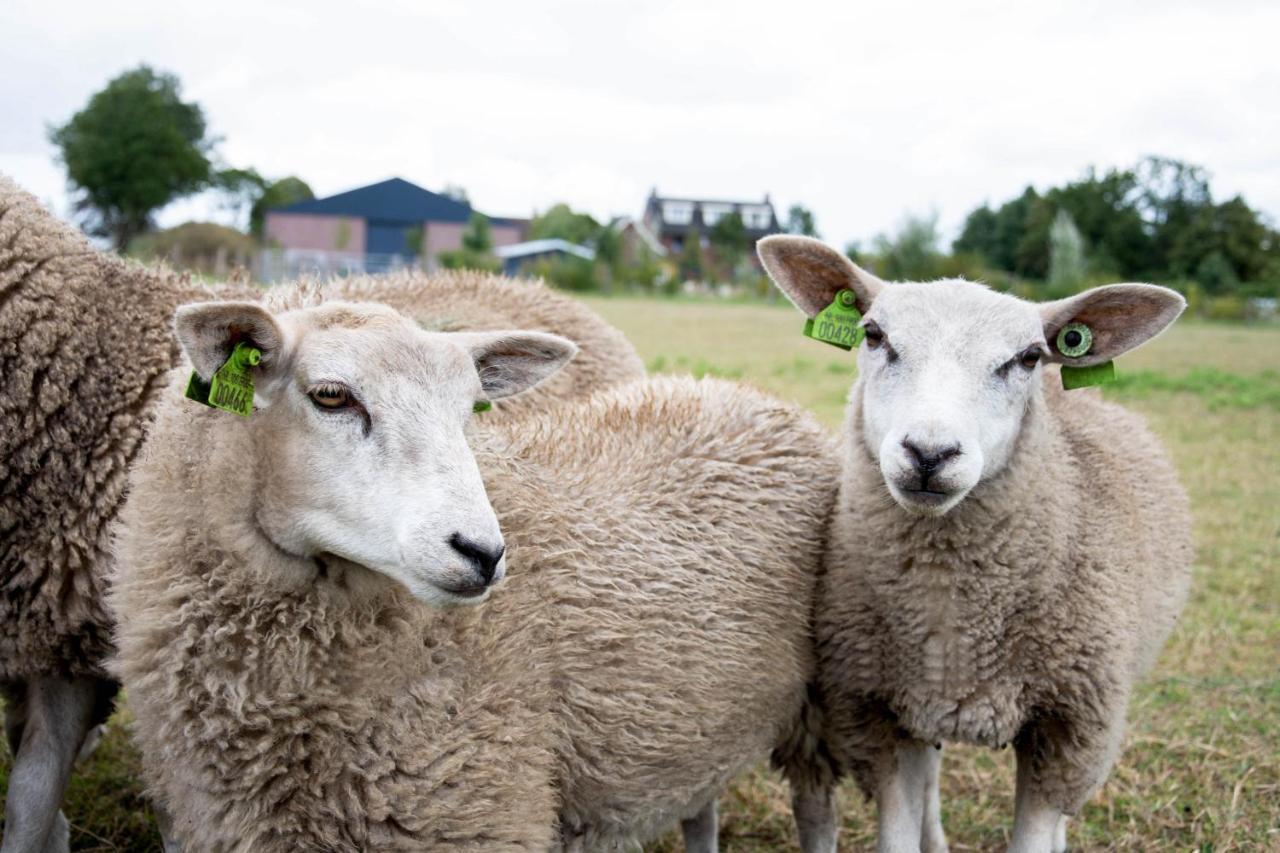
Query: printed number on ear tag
1074, 341
231, 388
837, 324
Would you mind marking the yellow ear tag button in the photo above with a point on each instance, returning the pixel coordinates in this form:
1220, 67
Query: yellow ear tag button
837, 324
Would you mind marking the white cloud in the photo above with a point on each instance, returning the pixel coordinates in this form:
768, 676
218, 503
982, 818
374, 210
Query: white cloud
863, 114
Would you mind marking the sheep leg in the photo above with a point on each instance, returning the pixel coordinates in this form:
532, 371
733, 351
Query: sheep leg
48, 725
900, 800
933, 838
816, 816
1035, 819
701, 832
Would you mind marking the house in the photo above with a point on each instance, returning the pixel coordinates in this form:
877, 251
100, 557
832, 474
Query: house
385, 225
518, 257
635, 240
672, 220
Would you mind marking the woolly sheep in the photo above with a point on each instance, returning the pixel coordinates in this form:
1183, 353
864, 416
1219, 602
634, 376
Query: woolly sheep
651, 640
1006, 557
86, 345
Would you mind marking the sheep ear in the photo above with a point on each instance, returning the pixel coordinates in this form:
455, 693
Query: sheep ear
209, 331
811, 273
511, 362
1118, 316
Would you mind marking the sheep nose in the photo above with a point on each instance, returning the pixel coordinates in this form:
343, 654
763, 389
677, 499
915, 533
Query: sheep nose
484, 559
927, 460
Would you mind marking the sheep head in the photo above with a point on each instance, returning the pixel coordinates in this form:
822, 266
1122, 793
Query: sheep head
949, 370
356, 449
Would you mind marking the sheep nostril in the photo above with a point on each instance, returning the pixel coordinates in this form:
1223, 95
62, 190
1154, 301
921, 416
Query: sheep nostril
484, 559
929, 459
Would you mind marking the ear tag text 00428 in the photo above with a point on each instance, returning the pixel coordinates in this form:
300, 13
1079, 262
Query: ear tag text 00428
1075, 340
837, 324
231, 388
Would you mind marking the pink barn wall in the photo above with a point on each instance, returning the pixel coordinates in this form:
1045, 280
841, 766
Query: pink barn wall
308, 231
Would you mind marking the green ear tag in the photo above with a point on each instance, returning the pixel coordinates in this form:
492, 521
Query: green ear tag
1074, 341
481, 406
837, 324
232, 386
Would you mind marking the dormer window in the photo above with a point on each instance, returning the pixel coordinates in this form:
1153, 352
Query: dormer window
713, 212
677, 212
756, 216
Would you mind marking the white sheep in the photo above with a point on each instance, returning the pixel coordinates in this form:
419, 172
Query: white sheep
1006, 557
294, 689
86, 345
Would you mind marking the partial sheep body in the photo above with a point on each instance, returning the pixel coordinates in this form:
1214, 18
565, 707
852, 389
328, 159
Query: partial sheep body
474, 301
1006, 557
651, 639
86, 346
1050, 592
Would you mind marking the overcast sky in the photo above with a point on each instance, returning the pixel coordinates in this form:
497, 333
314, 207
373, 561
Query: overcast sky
863, 115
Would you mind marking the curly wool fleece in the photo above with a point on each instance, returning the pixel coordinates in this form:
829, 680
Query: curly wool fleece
651, 640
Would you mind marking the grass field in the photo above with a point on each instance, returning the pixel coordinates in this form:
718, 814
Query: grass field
1201, 770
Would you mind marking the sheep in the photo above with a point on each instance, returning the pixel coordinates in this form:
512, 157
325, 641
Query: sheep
476, 301
1006, 557
295, 683
86, 346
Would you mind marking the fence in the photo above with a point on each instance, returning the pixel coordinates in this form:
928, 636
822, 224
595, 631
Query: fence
272, 265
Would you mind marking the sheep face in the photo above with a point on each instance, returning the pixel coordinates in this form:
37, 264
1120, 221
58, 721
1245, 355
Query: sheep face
950, 370
357, 442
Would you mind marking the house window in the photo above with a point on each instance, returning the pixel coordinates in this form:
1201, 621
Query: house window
713, 212
677, 212
757, 216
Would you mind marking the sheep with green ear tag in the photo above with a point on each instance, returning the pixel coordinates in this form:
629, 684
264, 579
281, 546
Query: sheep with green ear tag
1007, 556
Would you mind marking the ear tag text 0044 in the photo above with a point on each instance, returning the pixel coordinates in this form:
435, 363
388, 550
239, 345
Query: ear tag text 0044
231, 388
1075, 340
837, 324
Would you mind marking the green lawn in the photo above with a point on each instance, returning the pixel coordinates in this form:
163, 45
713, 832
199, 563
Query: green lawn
1202, 767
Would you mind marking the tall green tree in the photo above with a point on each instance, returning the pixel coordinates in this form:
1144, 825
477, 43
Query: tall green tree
1066, 255
135, 147
563, 222
913, 253
800, 221
477, 248
279, 193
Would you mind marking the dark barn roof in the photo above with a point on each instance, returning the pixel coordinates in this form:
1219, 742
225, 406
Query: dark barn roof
393, 200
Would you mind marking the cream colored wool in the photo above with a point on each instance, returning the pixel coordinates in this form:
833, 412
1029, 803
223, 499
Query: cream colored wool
651, 639
480, 302
1021, 616
86, 344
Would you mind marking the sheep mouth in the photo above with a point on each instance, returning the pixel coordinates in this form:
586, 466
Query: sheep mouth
468, 592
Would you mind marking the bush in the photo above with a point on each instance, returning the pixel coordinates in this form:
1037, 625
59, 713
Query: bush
200, 246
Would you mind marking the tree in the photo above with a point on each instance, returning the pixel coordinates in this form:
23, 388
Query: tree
1066, 255
913, 253
285, 191
691, 256
728, 238
800, 221
476, 252
457, 193
135, 147
562, 222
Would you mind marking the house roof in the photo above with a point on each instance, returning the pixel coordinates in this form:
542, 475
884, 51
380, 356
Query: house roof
392, 200
622, 223
542, 247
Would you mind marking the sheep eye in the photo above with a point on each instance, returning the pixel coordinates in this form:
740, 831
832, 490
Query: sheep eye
874, 336
330, 396
1030, 358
